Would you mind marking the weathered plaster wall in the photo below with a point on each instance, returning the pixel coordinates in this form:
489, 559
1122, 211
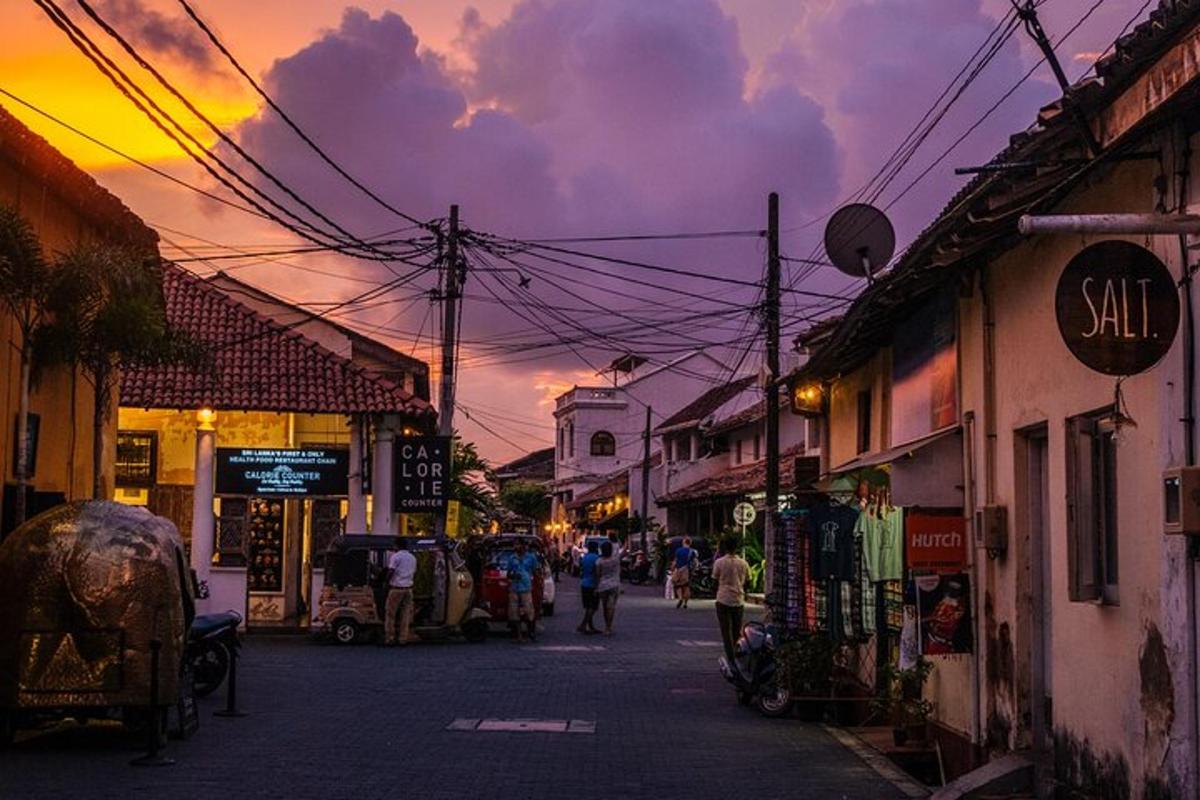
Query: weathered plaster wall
1114, 693
62, 397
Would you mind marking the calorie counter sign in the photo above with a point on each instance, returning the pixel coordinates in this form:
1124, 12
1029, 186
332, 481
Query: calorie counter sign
422, 473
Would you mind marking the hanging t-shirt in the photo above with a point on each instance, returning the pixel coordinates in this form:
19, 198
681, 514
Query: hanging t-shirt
883, 544
833, 541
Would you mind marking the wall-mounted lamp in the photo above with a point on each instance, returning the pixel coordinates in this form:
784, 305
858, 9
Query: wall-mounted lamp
205, 418
808, 399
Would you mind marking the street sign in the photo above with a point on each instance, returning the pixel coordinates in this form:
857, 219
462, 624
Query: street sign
283, 472
744, 514
452, 509
1117, 308
422, 473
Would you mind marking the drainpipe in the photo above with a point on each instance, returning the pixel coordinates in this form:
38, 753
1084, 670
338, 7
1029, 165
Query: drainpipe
989, 478
969, 508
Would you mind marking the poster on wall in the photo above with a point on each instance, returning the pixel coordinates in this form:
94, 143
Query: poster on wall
925, 370
283, 472
944, 614
935, 543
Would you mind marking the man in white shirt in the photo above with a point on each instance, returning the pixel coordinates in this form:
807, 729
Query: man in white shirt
402, 567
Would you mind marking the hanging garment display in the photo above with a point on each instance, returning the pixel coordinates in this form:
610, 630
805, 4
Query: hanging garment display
882, 533
944, 609
832, 530
910, 648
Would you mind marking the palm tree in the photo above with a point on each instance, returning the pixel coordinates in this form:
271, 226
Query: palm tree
469, 476
526, 499
107, 310
24, 282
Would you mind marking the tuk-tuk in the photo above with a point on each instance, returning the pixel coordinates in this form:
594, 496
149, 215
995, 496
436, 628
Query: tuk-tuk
351, 606
486, 556
86, 587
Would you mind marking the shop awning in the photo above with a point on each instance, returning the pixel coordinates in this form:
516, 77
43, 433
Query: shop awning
891, 455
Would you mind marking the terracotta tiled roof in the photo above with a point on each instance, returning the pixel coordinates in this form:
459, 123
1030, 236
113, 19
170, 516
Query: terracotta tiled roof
738, 481
34, 156
255, 364
706, 404
611, 487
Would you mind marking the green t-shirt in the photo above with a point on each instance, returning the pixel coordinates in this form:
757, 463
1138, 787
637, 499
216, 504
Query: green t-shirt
883, 544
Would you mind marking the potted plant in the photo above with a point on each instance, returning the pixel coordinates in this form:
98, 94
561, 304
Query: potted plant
902, 701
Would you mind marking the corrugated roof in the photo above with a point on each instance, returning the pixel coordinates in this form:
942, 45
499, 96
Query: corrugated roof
256, 364
706, 404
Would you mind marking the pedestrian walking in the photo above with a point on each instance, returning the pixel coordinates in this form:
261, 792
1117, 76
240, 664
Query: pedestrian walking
588, 581
521, 565
608, 586
555, 559
402, 567
730, 572
681, 575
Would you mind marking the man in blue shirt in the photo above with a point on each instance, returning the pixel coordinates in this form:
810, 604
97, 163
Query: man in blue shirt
587, 586
521, 566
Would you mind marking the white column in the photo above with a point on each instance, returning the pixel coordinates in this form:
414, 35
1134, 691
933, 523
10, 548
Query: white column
356, 512
203, 519
382, 519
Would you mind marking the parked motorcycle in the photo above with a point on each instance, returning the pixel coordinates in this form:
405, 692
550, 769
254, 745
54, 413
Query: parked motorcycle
635, 568
702, 582
754, 672
212, 640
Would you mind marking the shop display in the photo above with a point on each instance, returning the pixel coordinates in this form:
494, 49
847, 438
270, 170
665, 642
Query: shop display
264, 568
944, 614
832, 529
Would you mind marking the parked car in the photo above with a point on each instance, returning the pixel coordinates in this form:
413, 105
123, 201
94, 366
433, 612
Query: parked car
90, 591
351, 606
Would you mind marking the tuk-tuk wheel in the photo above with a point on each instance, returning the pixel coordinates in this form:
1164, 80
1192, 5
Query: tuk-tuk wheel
475, 630
345, 631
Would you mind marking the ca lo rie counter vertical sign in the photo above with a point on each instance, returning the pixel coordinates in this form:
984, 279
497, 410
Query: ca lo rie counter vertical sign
422, 473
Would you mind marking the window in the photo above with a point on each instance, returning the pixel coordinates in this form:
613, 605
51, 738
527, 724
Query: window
603, 444
683, 448
738, 457
864, 421
137, 459
1092, 549
756, 446
561, 437
571, 439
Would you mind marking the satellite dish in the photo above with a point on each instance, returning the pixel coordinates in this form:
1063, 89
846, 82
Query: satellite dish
860, 240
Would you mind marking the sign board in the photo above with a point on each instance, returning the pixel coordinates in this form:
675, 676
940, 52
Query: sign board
422, 473
936, 544
452, 509
1117, 308
283, 473
744, 514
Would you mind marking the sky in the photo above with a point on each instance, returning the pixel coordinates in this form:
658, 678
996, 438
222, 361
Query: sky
549, 119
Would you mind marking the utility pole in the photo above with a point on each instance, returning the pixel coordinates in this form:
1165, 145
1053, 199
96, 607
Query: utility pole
770, 523
646, 484
450, 296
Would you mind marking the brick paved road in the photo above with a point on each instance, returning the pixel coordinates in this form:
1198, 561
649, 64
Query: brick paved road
360, 723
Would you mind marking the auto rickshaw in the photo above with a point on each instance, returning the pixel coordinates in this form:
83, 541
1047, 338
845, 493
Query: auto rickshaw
86, 588
485, 557
351, 605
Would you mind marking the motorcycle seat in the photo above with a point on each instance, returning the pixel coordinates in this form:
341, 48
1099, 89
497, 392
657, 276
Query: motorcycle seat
207, 624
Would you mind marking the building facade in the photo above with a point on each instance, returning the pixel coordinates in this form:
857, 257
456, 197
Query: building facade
65, 207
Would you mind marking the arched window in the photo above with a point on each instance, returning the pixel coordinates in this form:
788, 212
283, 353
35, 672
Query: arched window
603, 444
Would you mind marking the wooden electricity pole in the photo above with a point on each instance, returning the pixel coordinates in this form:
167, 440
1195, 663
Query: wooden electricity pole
646, 483
771, 394
450, 294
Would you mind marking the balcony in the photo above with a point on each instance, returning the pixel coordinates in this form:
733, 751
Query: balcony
590, 397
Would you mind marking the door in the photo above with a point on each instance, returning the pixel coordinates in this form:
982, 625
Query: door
1036, 565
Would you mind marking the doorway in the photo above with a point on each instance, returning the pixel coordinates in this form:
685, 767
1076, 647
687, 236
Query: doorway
1032, 464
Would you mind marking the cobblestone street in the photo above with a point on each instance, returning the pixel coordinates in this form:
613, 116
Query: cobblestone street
366, 722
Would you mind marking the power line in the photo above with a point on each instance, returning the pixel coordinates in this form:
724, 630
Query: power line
212, 37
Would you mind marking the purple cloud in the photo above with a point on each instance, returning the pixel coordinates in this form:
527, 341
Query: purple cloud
174, 37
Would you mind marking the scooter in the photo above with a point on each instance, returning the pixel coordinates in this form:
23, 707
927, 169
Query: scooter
635, 568
754, 673
212, 640
702, 582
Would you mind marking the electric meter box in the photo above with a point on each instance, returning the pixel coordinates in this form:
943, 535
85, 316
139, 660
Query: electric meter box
1181, 501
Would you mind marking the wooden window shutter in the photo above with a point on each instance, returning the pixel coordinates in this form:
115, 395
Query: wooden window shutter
1083, 546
